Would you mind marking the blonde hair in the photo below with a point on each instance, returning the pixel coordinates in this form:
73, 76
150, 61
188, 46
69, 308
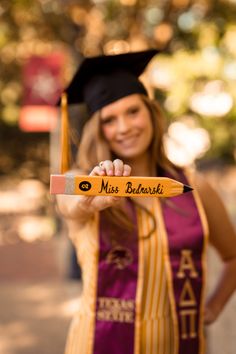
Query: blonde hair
94, 148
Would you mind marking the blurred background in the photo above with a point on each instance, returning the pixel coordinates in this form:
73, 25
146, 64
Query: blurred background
41, 44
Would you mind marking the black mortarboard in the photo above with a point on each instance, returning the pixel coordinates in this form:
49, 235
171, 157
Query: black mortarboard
104, 79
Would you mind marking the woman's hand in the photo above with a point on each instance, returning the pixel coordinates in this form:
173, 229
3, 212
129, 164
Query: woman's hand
81, 207
210, 315
107, 168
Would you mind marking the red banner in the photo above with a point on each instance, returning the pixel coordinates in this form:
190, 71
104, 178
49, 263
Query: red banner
43, 82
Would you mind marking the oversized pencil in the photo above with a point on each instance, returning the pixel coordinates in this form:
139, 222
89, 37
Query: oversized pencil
117, 186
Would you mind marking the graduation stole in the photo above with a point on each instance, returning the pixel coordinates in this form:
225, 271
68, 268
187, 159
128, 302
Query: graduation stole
117, 322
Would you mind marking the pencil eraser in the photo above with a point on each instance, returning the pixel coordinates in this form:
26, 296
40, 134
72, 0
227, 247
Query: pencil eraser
57, 184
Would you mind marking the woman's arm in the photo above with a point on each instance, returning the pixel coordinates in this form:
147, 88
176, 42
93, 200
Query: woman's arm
81, 208
223, 237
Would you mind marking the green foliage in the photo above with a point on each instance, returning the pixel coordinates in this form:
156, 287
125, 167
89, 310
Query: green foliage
198, 39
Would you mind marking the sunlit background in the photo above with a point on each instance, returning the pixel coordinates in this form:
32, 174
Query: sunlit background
41, 44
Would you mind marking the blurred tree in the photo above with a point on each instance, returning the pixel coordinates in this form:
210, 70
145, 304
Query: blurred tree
194, 76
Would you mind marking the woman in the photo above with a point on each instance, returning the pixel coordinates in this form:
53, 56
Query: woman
143, 259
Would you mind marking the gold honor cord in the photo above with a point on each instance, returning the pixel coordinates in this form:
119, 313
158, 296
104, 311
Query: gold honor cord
117, 186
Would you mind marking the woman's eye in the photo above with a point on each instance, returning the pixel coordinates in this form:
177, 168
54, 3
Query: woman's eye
107, 121
133, 111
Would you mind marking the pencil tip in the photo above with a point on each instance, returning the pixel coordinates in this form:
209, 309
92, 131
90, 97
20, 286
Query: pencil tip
187, 188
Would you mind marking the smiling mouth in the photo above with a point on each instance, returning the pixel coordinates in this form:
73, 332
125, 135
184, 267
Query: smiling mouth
129, 140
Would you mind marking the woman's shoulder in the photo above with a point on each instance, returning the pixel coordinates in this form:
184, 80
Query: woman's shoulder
202, 184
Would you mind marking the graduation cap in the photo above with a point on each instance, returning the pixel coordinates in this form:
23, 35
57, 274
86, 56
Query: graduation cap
100, 81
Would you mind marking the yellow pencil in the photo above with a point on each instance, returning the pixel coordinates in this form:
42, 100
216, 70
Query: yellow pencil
117, 186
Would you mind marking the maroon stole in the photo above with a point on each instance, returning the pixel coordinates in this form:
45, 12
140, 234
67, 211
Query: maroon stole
118, 276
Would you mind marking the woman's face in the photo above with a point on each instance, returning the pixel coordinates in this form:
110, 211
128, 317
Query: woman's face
127, 127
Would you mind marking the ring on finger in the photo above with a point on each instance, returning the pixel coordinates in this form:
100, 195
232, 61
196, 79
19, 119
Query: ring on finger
101, 164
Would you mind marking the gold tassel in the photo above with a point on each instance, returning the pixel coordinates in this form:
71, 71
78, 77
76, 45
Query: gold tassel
65, 143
